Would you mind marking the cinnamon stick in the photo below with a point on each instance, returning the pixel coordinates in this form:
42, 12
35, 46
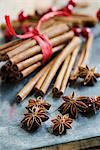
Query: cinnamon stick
79, 19
5, 71
9, 44
60, 76
30, 85
48, 23
26, 63
41, 80
87, 49
5, 68
82, 4
86, 20
3, 56
36, 49
61, 57
67, 74
78, 62
83, 57
27, 71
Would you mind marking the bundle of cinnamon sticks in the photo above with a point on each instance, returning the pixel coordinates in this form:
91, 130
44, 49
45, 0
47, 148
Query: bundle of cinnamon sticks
58, 70
25, 56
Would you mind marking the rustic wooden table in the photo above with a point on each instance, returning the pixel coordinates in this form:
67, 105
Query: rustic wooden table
88, 144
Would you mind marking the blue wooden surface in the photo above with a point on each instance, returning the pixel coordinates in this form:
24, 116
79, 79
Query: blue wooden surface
14, 138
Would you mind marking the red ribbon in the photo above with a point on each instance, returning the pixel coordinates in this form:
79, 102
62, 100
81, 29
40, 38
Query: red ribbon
42, 40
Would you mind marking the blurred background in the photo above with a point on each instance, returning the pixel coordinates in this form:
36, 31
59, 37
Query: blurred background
12, 7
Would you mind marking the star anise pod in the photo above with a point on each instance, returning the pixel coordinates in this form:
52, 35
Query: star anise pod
61, 123
93, 105
33, 119
72, 104
39, 102
89, 75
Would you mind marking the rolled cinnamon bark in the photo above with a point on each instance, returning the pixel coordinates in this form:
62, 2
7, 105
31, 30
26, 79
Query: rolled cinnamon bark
78, 62
67, 74
27, 71
87, 49
36, 49
82, 4
3, 52
79, 19
48, 23
50, 32
60, 76
70, 20
5, 68
30, 85
5, 71
41, 80
9, 44
61, 57
83, 57
45, 25
26, 63
86, 20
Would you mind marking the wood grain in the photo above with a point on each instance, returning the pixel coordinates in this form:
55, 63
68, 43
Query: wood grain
87, 144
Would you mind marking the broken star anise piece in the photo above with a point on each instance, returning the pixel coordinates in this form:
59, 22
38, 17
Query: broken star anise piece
93, 105
33, 119
97, 102
89, 75
39, 102
61, 123
72, 104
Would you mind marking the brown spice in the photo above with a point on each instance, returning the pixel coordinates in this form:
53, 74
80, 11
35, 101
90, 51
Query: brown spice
89, 75
33, 119
61, 123
71, 105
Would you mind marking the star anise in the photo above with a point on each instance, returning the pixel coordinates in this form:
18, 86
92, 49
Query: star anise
89, 75
33, 119
93, 105
39, 102
61, 123
72, 104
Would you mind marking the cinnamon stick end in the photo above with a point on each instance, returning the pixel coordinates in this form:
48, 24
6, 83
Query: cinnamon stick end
58, 94
19, 98
19, 76
41, 93
15, 68
54, 90
36, 90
